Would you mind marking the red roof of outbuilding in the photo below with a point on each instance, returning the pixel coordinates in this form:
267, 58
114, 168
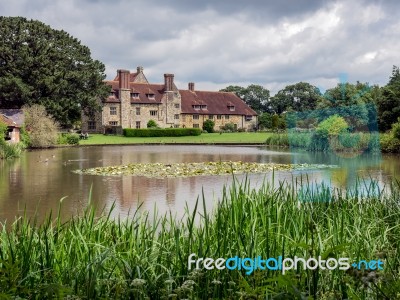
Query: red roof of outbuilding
7, 121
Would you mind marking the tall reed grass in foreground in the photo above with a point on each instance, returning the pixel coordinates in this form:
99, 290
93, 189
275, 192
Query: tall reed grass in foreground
141, 258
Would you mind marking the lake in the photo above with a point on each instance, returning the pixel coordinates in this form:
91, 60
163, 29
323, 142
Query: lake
35, 183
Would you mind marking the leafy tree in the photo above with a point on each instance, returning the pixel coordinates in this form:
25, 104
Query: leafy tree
41, 127
41, 65
298, 97
265, 121
389, 103
333, 126
208, 125
152, 124
256, 96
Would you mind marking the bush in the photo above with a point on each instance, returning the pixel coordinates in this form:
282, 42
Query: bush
72, 139
160, 132
332, 126
10, 150
396, 129
41, 127
152, 124
208, 126
229, 127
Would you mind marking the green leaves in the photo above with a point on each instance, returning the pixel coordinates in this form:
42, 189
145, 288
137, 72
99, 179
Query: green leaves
40, 65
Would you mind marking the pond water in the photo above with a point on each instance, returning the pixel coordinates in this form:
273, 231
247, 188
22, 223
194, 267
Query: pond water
35, 183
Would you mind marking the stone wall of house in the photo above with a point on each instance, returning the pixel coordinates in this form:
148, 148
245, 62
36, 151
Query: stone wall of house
145, 114
94, 123
219, 120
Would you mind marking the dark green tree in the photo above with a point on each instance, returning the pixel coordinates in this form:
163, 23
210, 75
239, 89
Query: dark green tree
256, 96
41, 65
208, 125
389, 102
297, 97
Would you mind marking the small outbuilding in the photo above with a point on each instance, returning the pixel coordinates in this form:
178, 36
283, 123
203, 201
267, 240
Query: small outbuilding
14, 119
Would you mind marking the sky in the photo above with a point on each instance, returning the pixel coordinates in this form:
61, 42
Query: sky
220, 43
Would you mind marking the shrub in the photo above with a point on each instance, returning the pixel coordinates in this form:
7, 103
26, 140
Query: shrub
72, 139
41, 127
10, 150
229, 127
396, 129
160, 132
208, 125
332, 126
152, 124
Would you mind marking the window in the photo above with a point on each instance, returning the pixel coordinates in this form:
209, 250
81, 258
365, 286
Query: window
204, 107
195, 117
196, 126
113, 110
231, 107
112, 94
176, 126
249, 118
219, 117
135, 95
176, 117
91, 125
226, 117
177, 105
153, 113
150, 96
137, 124
211, 117
114, 123
138, 111
196, 107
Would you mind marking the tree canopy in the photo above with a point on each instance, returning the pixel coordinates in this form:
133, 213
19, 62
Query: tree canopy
256, 96
41, 65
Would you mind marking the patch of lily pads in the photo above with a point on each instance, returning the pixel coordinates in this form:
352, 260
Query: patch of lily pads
161, 170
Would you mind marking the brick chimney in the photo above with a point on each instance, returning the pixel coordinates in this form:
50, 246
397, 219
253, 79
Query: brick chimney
169, 82
191, 86
123, 79
139, 69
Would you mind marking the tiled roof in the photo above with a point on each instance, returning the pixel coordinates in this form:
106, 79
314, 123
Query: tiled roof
142, 88
4, 119
132, 77
217, 103
15, 115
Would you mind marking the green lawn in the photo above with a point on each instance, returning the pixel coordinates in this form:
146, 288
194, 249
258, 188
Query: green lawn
204, 138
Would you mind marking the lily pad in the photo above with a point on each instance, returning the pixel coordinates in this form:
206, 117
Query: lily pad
160, 170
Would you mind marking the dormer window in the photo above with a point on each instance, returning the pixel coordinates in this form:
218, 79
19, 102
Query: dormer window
135, 95
112, 94
196, 107
204, 107
150, 96
231, 107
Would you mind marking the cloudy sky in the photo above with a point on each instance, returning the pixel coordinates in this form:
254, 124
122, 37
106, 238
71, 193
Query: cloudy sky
223, 42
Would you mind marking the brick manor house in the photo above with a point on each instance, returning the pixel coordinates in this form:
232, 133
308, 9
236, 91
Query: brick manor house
133, 101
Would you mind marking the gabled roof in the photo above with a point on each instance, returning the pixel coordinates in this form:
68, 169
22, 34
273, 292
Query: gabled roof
15, 115
132, 77
10, 123
217, 103
142, 88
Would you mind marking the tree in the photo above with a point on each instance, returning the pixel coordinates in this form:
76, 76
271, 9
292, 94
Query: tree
389, 102
42, 129
208, 126
256, 96
301, 96
41, 65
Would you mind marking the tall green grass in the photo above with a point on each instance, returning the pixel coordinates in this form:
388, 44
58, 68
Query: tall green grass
141, 258
8, 151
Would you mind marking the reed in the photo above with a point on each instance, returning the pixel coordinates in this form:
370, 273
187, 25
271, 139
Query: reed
141, 258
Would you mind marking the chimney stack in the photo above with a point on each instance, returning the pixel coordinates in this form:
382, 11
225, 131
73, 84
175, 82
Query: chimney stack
168, 82
123, 79
191, 86
139, 69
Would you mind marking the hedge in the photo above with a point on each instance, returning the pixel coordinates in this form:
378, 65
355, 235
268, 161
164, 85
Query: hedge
159, 132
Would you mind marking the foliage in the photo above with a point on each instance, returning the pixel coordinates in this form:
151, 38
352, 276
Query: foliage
3, 131
160, 132
298, 97
41, 65
208, 125
152, 124
41, 127
265, 121
230, 127
332, 126
68, 139
256, 96
389, 103
389, 143
91, 257
396, 129
10, 150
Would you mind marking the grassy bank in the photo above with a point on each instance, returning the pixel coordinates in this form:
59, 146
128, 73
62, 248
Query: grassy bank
204, 138
139, 258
